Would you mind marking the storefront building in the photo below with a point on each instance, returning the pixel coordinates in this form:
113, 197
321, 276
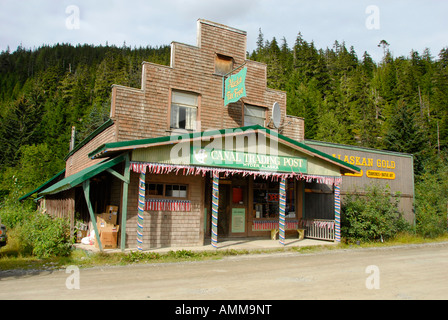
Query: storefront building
392, 170
201, 152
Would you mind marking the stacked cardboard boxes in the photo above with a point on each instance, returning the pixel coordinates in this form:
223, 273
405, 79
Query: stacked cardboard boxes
108, 228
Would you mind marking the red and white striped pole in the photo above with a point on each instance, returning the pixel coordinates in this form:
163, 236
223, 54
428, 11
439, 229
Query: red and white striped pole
337, 213
215, 204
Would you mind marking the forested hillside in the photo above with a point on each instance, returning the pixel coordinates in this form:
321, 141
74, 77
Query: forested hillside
398, 103
46, 91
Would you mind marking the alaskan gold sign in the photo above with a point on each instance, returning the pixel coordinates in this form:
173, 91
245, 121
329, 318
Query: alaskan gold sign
370, 163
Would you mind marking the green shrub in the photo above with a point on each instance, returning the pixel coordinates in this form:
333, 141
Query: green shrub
431, 200
371, 217
45, 236
30, 232
13, 213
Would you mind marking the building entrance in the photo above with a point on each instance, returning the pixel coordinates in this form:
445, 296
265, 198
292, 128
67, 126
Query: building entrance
232, 209
223, 210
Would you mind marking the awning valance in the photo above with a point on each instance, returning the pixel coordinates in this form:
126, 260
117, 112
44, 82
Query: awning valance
160, 168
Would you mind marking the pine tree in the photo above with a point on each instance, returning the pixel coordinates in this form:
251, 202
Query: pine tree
20, 126
403, 135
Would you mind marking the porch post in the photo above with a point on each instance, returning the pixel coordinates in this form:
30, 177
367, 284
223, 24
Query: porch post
282, 205
337, 213
124, 202
141, 208
86, 188
215, 204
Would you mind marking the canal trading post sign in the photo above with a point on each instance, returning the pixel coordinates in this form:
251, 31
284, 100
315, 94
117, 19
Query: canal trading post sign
248, 161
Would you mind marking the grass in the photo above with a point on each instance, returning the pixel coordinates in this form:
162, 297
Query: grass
11, 259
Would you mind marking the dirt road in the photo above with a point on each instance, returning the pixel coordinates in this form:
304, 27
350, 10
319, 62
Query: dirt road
405, 272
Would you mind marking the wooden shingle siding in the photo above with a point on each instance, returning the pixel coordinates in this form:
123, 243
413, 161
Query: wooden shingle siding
79, 160
166, 228
144, 113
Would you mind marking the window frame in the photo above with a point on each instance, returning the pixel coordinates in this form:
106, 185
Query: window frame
220, 60
164, 196
245, 105
170, 108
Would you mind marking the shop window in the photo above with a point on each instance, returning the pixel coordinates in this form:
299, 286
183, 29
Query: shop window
153, 189
223, 64
184, 109
254, 115
266, 199
176, 191
157, 190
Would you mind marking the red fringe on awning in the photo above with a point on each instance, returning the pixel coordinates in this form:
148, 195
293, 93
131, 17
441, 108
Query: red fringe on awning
160, 168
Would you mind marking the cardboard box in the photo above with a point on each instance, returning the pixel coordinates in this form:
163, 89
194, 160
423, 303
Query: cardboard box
108, 218
108, 237
112, 209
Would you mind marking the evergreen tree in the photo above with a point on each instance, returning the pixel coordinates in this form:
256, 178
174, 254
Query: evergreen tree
20, 126
403, 135
397, 104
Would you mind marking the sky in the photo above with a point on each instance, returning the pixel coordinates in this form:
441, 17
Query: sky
405, 24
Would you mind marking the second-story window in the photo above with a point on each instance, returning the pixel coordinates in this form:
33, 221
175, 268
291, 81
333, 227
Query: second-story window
223, 64
184, 109
254, 115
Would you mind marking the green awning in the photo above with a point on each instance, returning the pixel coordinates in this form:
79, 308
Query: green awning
43, 186
78, 178
114, 148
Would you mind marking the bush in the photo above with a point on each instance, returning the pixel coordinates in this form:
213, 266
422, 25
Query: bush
46, 237
371, 217
12, 212
31, 232
431, 199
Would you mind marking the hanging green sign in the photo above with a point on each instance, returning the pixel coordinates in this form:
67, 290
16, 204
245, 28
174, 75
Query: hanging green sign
249, 161
235, 87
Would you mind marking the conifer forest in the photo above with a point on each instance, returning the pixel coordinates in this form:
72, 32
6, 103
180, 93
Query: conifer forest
398, 103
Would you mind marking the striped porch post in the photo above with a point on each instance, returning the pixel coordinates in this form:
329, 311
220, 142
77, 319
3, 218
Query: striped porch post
282, 205
337, 213
141, 208
215, 204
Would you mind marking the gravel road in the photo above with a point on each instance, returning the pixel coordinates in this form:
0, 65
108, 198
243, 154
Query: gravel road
394, 273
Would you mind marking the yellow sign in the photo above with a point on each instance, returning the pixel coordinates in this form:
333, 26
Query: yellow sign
370, 163
355, 174
380, 174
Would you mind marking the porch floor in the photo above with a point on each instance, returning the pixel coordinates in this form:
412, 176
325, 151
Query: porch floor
250, 244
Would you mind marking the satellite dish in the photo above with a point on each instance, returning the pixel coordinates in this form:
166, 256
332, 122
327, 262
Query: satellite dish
276, 114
